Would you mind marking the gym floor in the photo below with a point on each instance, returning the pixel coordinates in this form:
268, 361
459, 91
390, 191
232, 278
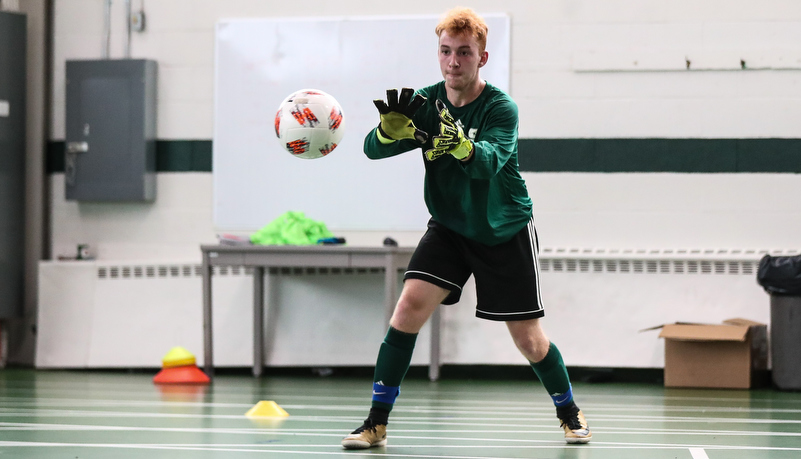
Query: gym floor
91, 414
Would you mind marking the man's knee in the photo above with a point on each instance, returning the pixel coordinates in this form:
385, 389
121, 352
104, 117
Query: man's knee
416, 304
418, 294
530, 339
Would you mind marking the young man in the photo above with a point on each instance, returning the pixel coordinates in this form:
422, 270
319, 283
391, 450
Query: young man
481, 222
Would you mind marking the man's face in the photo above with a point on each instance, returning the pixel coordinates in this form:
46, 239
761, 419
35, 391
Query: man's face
459, 60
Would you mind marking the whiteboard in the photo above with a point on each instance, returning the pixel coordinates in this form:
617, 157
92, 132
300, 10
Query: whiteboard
258, 62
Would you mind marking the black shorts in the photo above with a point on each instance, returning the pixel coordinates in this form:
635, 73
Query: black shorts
507, 275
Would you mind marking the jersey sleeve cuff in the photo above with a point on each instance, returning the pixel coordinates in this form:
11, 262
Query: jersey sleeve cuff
382, 138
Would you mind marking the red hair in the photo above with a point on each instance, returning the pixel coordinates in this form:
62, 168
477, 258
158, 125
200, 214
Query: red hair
460, 21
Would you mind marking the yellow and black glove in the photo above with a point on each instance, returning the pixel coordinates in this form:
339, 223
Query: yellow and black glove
451, 139
396, 116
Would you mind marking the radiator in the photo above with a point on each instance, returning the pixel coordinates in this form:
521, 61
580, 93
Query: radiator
665, 261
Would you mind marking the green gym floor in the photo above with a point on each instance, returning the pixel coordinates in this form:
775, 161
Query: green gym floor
88, 414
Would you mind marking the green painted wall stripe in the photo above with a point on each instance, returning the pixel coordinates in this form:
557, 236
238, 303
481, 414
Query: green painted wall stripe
183, 156
661, 155
561, 155
171, 156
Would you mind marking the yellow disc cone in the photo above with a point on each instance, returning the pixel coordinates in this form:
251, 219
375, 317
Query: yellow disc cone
177, 357
266, 409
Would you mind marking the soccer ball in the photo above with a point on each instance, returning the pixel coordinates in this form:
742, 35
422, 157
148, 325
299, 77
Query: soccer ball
309, 124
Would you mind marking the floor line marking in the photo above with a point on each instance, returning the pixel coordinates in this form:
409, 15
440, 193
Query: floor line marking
598, 414
20, 426
698, 453
532, 423
589, 397
480, 406
439, 421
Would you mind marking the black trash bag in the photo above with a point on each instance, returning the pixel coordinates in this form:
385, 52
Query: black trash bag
780, 275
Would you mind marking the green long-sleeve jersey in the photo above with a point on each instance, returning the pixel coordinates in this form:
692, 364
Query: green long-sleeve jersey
485, 198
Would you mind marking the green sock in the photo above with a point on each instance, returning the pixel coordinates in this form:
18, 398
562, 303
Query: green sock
393, 361
552, 372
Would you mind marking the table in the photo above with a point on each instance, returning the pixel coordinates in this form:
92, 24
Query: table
261, 258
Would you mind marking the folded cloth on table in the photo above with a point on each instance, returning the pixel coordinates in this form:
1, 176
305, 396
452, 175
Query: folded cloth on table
291, 228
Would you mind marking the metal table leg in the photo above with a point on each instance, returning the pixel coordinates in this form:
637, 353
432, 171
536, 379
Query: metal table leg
433, 368
208, 347
258, 320
390, 285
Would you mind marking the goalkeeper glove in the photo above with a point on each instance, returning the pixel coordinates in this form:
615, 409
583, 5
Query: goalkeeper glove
396, 116
451, 139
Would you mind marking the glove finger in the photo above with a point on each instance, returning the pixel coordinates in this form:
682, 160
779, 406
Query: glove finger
415, 105
444, 143
444, 114
405, 98
434, 153
448, 130
381, 106
420, 135
392, 99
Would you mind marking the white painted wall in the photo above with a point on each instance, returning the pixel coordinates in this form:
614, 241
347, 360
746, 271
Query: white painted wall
662, 211
580, 68
549, 41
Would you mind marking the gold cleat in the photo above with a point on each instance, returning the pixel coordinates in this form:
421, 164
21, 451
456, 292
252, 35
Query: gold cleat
576, 428
366, 436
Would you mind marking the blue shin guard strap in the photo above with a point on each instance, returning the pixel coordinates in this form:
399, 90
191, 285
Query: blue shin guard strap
385, 394
563, 399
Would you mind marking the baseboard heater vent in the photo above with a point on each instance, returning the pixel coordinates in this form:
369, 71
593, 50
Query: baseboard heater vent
656, 261
196, 270
649, 266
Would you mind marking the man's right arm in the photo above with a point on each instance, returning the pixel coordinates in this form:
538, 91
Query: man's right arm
396, 133
375, 149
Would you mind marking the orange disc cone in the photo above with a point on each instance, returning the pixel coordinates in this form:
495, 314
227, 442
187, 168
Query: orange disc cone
188, 374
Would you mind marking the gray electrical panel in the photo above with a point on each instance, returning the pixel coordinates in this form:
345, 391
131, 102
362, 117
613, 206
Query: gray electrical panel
110, 130
13, 43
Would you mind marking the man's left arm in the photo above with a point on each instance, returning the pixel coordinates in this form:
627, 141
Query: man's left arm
495, 144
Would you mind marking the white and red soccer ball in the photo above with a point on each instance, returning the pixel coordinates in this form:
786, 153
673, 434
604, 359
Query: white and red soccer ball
309, 124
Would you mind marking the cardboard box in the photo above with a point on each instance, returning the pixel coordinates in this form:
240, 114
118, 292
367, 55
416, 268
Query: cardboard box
714, 356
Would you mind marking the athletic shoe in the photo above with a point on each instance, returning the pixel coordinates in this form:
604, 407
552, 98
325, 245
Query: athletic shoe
576, 428
366, 436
